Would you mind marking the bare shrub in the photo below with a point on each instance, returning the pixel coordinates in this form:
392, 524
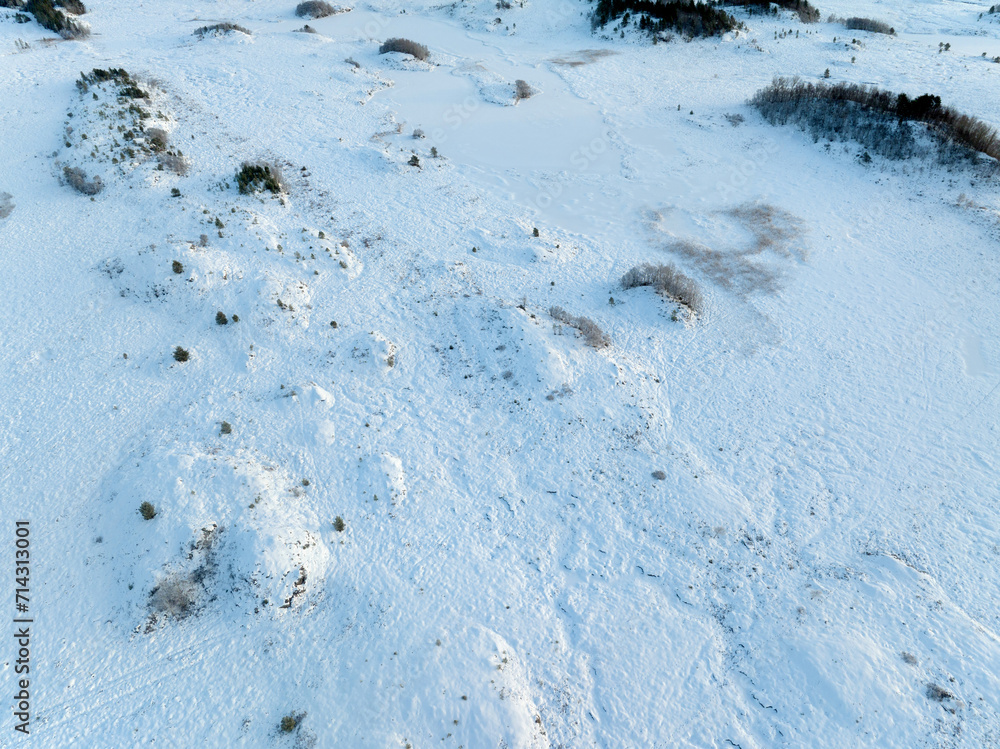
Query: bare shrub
157, 138
219, 29
869, 24
938, 693
77, 179
173, 162
316, 9
175, 596
405, 46
667, 281
591, 331
522, 90
6, 204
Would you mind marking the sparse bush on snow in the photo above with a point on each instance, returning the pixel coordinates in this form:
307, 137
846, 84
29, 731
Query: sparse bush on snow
667, 281
591, 332
316, 9
290, 722
147, 511
252, 178
405, 46
868, 24
522, 90
220, 29
77, 179
173, 162
175, 596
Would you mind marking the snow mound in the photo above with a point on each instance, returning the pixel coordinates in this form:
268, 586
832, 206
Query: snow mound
233, 531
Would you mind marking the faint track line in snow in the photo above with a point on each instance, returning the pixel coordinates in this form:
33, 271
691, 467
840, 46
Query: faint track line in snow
110, 682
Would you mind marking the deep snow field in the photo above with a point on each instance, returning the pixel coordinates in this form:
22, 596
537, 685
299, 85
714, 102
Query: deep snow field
819, 565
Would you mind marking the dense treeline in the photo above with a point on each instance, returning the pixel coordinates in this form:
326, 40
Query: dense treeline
682, 16
807, 13
879, 120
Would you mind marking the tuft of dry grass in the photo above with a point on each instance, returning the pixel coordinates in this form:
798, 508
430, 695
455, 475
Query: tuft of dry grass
522, 90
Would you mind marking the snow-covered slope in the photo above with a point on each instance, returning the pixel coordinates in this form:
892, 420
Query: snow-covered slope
396, 499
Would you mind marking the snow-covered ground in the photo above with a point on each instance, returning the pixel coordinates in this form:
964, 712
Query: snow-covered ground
819, 565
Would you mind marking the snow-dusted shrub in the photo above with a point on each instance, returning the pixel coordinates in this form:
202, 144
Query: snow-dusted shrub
591, 332
522, 90
75, 7
55, 20
252, 178
181, 354
405, 46
147, 511
290, 722
157, 138
174, 596
77, 179
221, 28
869, 24
684, 16
667, 281
339, 525
315, 9
173, 162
